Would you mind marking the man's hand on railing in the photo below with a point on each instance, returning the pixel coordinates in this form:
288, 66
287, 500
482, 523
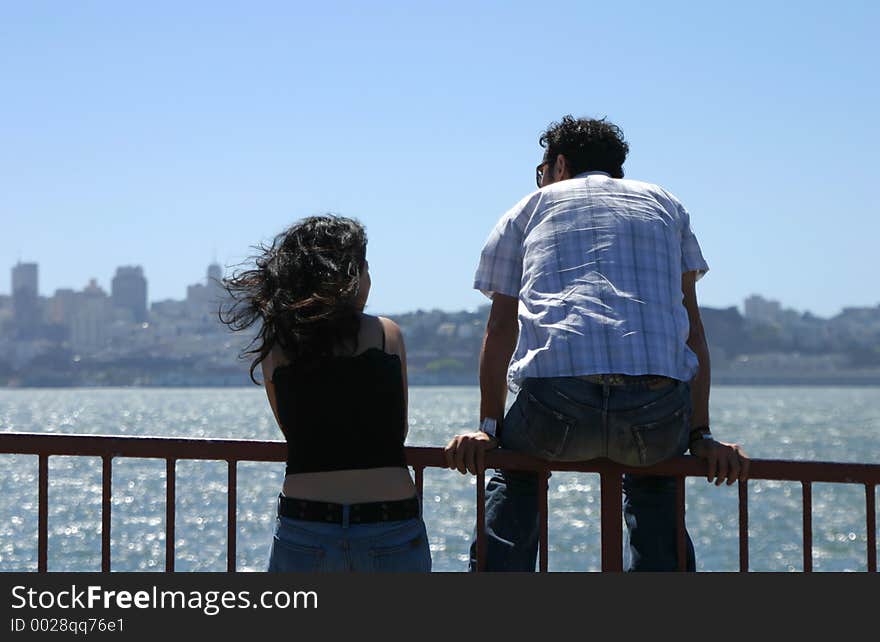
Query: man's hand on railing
465, 453
724, 460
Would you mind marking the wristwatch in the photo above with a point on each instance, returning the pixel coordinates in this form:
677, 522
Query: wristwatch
698, 433
489, 426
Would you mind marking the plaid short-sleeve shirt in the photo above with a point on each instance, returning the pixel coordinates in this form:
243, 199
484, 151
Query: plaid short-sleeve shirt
596, 263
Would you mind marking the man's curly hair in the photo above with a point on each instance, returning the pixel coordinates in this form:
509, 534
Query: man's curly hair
588, 145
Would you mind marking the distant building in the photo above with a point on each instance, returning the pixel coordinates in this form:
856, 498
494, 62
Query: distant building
25, 277
90, 320
446, 329
859, 315
129, 291
168, 309
62, 306
215, 274
204, 299
465, 331
857, 326
218, 295
5, 307
25, 297
760, 309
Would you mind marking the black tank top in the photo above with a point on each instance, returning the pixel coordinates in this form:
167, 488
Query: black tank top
346, 413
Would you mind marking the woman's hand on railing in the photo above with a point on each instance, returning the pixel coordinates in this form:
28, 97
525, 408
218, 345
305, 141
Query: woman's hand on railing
724, 460
465, 453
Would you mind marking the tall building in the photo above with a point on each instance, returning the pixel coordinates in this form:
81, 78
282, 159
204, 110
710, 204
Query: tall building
88, 327
25, 297
217, 293
25, 276
62, 306
129, 291
215, 273
204, 299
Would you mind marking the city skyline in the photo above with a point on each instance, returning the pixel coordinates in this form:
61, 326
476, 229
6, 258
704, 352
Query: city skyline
215, 270
96, 337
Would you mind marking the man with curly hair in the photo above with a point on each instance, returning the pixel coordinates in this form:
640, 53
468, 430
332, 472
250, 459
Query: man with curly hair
594, 322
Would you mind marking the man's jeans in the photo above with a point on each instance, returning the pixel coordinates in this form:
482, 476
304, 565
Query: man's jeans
570, 419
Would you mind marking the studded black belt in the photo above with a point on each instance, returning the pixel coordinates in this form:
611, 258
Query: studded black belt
332, 513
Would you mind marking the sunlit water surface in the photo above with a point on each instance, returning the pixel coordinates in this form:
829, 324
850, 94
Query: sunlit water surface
801, 423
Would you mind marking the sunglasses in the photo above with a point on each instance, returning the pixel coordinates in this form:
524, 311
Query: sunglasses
539, 171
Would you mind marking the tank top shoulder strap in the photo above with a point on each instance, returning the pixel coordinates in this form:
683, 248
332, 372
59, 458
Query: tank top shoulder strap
382, 326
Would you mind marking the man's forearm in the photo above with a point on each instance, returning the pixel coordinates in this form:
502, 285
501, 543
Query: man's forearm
498, 346
700, 386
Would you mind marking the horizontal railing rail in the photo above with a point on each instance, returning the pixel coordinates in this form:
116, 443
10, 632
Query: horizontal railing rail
233, 451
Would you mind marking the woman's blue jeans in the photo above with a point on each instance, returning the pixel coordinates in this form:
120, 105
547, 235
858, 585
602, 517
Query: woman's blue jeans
571, 419
383, 547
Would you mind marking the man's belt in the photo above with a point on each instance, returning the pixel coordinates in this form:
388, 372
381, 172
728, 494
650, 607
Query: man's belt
651, 381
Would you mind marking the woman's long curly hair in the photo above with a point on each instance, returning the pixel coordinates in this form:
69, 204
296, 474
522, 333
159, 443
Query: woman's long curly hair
303, 290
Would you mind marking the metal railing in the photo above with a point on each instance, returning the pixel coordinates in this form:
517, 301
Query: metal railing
233, 451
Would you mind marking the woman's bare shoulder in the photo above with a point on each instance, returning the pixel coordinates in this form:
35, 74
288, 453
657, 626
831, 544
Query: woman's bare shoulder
274, 359
388, 325
393, 335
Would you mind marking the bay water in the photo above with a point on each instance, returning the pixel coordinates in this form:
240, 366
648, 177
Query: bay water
800, 423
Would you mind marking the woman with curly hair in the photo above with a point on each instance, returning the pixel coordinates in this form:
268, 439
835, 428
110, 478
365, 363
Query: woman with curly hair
335, 378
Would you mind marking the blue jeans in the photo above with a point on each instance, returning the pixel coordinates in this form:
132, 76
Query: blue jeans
569, 419
383, 547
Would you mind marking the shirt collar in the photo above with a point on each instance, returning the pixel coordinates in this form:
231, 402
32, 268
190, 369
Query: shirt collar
595, 171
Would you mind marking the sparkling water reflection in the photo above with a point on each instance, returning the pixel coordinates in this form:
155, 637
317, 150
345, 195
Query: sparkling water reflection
833, 424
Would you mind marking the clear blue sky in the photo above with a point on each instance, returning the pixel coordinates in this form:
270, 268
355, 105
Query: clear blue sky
165, 133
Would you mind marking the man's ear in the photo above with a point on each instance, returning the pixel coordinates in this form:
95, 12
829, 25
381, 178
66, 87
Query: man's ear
561, 170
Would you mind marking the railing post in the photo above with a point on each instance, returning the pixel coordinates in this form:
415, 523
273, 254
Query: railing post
231, 506
481, 521
170, 500
43, 518
612, 531
808, 526
420, 479
743, 526
680, 543
420, 488
871, 518
543, 518
106, 494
